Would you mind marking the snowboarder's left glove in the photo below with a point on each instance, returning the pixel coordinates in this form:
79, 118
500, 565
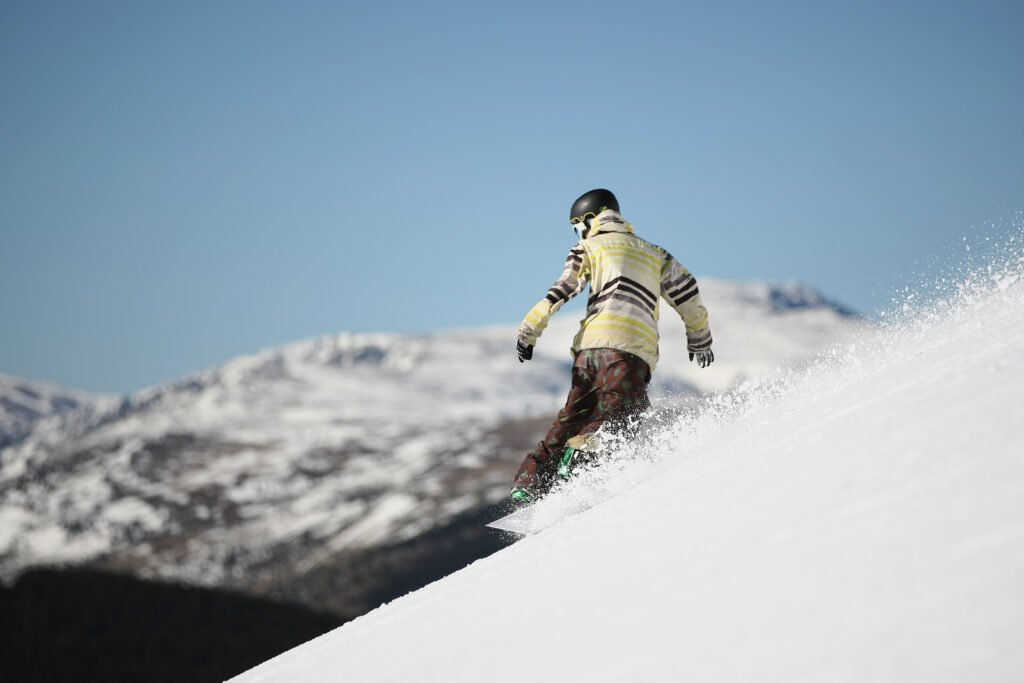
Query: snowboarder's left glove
704, 358
524, 350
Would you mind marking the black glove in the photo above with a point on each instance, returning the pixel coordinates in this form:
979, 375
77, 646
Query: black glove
524, 350
704, 358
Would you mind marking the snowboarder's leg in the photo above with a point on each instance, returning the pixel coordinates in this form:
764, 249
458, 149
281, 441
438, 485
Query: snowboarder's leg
621, 385
537, 473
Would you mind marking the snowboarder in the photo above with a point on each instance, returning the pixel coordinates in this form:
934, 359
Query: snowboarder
616, 348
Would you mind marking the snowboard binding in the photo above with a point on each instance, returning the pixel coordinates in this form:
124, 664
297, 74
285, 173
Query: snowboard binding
579, 451
521, 496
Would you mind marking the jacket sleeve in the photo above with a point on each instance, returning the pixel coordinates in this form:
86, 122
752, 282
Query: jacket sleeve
679, 288
569, 284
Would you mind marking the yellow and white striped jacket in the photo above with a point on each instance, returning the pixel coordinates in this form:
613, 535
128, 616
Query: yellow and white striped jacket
626, 276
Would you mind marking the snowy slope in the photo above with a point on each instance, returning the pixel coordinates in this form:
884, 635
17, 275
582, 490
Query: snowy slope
256, 473
861, 519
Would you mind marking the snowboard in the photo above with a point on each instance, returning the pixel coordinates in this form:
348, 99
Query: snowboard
550, 510
518, 522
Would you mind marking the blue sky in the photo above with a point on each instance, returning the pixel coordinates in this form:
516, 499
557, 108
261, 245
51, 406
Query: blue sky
182, 183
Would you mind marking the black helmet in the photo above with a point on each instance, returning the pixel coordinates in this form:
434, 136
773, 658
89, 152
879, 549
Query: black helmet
593, 202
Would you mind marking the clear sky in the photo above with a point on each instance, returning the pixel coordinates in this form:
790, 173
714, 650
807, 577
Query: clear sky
185, 182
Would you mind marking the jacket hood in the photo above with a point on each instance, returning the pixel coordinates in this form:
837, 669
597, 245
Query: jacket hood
609, 221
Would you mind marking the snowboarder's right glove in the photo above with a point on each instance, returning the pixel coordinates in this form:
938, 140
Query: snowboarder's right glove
524, 350
704, 358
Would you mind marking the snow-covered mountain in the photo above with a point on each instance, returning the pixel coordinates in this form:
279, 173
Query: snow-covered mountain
25, 403
269, 473
858, 519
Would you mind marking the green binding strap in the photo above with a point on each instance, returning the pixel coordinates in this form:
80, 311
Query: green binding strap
565, 466
521, 495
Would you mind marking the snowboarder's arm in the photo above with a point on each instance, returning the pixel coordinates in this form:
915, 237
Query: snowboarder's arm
679, 288
571, 283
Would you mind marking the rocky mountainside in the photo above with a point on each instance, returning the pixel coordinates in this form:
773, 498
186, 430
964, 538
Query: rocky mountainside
312, 472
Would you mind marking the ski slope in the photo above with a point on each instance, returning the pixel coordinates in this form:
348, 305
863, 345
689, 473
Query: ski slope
858, 519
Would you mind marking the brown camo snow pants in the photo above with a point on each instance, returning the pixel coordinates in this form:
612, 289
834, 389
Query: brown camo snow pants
608, 385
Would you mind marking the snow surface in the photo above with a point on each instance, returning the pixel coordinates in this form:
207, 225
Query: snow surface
858, 519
